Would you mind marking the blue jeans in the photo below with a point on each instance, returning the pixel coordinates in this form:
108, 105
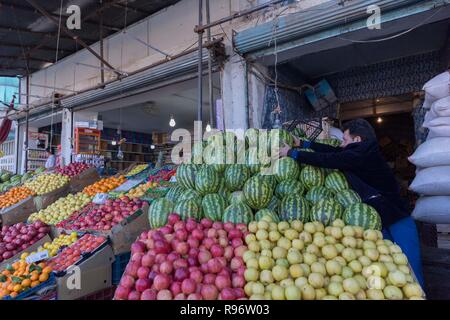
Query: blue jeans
404, 233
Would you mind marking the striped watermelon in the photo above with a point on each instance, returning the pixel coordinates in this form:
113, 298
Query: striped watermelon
282, 136
330, 142
159, 212
252, 161
236, 197
235, 177
213, 206
312, 177
251, 137
190, 195
188, 209
257, 192
214, 153
267, 212
186, 175
326, 211
238, 213
269, 178
274, 205
336, 182
294, 207
174, 193
197, 152
223, 191
207, 181
363, 215
299, 133
286, 168
318, 193
347, 198
288, 187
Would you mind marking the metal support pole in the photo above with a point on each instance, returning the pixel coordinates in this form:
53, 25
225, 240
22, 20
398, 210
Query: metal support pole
102, 71
210, 80
200, 63
27, 123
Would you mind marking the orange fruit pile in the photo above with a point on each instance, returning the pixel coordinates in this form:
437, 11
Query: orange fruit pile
21, 276
14, 196
104, 185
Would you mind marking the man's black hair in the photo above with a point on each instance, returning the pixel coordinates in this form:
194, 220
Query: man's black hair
360, 127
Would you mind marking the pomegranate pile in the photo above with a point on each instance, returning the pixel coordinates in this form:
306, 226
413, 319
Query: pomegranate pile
186, 260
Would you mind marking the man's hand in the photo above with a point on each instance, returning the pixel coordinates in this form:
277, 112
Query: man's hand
297, 141
284, 150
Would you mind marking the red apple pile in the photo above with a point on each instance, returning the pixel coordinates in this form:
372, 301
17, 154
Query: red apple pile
73, 169
18, 237
106, 216
186, 261
70, 255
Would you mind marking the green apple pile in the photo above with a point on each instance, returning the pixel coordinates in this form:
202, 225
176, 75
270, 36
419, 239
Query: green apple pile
61, 209
46, 183
296, 261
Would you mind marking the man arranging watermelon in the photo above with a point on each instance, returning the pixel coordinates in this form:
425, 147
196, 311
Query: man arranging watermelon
360, 159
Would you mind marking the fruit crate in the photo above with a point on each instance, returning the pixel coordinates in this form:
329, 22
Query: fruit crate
39, 290
119, 265
105, 294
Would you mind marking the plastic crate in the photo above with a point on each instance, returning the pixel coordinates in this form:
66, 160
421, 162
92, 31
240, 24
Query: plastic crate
119, 265
105, 294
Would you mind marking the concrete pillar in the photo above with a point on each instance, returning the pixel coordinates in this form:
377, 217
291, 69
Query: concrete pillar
235, 98
66, 137
256, 95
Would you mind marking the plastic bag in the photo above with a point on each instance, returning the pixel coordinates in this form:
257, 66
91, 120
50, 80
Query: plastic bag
433, 181
432, 153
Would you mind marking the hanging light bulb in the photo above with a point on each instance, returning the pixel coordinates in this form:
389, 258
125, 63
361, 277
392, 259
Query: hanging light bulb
152, 147
114, 142
172, 122
208, 128
380, 120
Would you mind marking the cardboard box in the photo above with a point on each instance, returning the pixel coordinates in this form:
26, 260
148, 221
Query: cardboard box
95, 274
85, 178
125, 233
29, 250
18, 212
43, 201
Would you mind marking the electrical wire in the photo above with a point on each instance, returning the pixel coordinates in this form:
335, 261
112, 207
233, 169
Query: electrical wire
396, 35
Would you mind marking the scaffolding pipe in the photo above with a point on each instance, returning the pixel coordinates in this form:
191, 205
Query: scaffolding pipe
201, 28
210, 80
200, 64
27, 123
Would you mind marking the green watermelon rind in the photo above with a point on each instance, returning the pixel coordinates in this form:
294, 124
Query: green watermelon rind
326, 211
238, 213
363, 215
159, 211
294, 207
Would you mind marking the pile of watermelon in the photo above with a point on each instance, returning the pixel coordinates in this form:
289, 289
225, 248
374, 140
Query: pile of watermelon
240, 193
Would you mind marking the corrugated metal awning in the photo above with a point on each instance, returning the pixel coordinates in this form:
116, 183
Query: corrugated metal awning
321, 18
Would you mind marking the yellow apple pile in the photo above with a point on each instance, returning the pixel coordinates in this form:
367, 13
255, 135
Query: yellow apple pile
296, 261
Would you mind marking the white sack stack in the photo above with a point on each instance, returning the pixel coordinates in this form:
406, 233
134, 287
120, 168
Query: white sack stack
432, 158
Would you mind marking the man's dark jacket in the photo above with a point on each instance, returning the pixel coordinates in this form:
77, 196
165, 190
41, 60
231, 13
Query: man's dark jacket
366, 171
